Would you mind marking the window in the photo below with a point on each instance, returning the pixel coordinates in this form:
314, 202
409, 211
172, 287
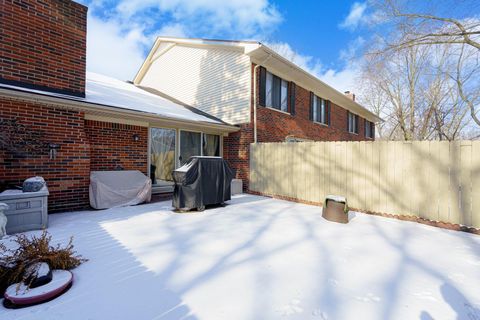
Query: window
198, 144
190, 145
276, 92
352, 123
268, 89
211, 145
162, 154
320, 110
369, 129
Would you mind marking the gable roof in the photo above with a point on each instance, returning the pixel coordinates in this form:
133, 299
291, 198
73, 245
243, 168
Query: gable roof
261, 54
103, 92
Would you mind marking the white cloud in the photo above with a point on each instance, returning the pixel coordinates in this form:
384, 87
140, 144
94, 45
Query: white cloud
111, 52
360, 15
355, 16
306, 62
119, 37
343, 78
240, 18
346, 78
173, 30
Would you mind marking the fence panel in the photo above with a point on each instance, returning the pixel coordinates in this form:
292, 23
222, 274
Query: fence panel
437, 180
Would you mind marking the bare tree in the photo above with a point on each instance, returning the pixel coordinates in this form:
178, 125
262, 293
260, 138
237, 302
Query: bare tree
410, 89
427, 28
436, 23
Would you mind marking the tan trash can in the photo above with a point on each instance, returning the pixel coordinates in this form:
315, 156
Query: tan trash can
335, 209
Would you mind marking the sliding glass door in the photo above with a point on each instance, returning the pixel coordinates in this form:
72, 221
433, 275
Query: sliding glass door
190, 145
162, 155
198, 144
165, 156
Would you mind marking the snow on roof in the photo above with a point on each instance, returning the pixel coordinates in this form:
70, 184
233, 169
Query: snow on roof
107, 91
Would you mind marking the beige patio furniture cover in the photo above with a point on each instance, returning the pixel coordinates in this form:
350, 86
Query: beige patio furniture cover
109, 189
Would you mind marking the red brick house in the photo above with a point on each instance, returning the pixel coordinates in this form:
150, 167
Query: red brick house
48, 102
190, 97
249, 85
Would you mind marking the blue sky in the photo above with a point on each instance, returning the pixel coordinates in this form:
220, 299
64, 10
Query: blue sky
320, 36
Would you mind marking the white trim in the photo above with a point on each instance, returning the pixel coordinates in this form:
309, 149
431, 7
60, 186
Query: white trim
322, 124
158, 54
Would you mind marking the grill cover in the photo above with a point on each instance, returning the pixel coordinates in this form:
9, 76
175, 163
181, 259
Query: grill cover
202, 181
110, 189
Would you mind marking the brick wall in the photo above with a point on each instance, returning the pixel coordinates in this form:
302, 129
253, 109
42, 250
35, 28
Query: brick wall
43, 45
84, 145
68, 175
236, 150
113, 146
275, 126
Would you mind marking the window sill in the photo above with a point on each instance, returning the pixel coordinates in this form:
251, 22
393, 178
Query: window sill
353, 133
281, 111
321, 124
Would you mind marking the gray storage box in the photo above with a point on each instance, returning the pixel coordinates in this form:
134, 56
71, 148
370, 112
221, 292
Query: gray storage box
26, 210
237, 186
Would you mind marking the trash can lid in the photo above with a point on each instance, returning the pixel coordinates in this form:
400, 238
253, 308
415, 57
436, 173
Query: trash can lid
336, 198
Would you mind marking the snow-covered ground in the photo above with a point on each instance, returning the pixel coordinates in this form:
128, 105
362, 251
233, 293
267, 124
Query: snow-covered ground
260, 258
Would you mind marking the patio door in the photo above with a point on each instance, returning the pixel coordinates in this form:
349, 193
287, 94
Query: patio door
162, 155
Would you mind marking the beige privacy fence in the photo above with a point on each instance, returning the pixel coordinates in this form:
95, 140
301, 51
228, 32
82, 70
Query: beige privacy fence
436, 180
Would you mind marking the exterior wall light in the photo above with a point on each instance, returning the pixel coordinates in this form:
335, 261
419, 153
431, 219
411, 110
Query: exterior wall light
53, 149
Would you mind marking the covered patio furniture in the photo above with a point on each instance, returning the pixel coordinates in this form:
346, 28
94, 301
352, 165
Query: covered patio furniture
110, 189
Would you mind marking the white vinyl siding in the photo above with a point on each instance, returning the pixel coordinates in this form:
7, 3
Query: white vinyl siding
214, 80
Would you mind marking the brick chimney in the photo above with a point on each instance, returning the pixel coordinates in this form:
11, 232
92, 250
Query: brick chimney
43, 45
350, 95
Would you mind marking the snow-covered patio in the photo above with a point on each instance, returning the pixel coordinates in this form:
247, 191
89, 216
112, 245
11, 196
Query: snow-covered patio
261, 258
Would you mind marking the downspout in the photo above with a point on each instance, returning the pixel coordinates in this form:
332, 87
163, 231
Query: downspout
255, 97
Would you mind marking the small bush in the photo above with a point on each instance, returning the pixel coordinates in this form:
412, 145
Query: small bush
13, 262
